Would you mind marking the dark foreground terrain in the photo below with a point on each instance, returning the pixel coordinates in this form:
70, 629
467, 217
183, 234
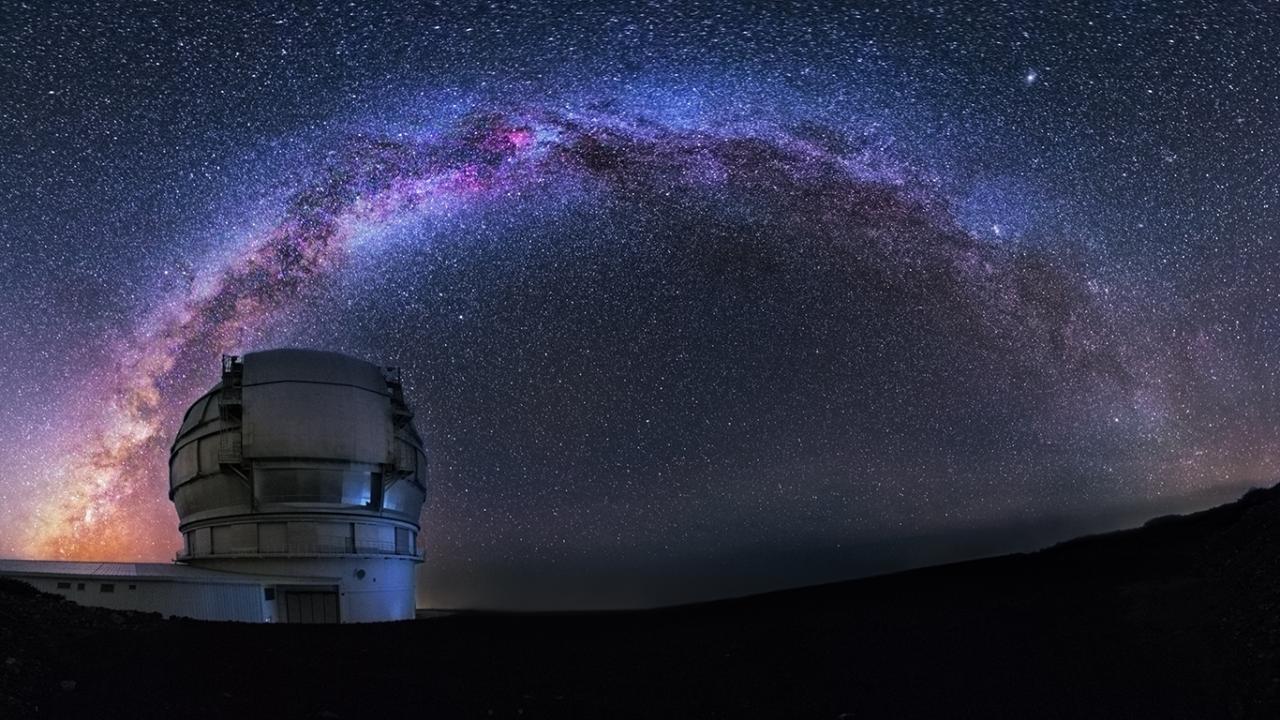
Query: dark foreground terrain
1180, 618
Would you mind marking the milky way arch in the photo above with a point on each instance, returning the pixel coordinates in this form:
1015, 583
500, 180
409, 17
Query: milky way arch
1042, 312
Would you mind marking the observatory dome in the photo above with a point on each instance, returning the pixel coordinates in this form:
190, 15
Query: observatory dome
301, 462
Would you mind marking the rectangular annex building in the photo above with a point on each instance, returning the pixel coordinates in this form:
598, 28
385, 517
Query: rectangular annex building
174, 589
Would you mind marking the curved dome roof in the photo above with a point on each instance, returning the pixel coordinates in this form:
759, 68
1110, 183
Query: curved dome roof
297, 365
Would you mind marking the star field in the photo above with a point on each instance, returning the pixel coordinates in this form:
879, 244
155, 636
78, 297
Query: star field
691, 300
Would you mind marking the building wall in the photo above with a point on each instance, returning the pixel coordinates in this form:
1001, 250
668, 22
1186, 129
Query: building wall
242, 602
371, 589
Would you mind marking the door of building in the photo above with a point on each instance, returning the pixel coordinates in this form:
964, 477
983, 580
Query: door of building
310, 606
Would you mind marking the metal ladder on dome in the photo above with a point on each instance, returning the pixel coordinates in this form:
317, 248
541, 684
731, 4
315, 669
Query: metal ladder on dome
231, 413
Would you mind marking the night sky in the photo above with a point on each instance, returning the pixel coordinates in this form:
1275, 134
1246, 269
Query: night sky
690, 300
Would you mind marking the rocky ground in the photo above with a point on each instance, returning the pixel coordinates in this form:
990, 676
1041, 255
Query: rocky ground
35, 628
1176, 619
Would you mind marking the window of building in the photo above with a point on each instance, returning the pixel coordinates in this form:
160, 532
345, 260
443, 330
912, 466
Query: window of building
108, 587
269, 593
133, 587
79, 586
64, 586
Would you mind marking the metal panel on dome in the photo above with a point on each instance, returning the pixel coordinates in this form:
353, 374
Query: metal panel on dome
208, 453
337, 422
235, 539
273, 537
312, 366
211, 408
195, 415
184, 464
211, 494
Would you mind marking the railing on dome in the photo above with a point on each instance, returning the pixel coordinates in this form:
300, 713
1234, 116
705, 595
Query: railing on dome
392, 374
317, 548
401, 415
337, 547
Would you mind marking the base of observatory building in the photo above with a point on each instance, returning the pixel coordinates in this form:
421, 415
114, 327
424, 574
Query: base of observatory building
336, 593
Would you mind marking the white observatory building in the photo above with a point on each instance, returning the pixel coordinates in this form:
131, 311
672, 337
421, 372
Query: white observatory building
298, 481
